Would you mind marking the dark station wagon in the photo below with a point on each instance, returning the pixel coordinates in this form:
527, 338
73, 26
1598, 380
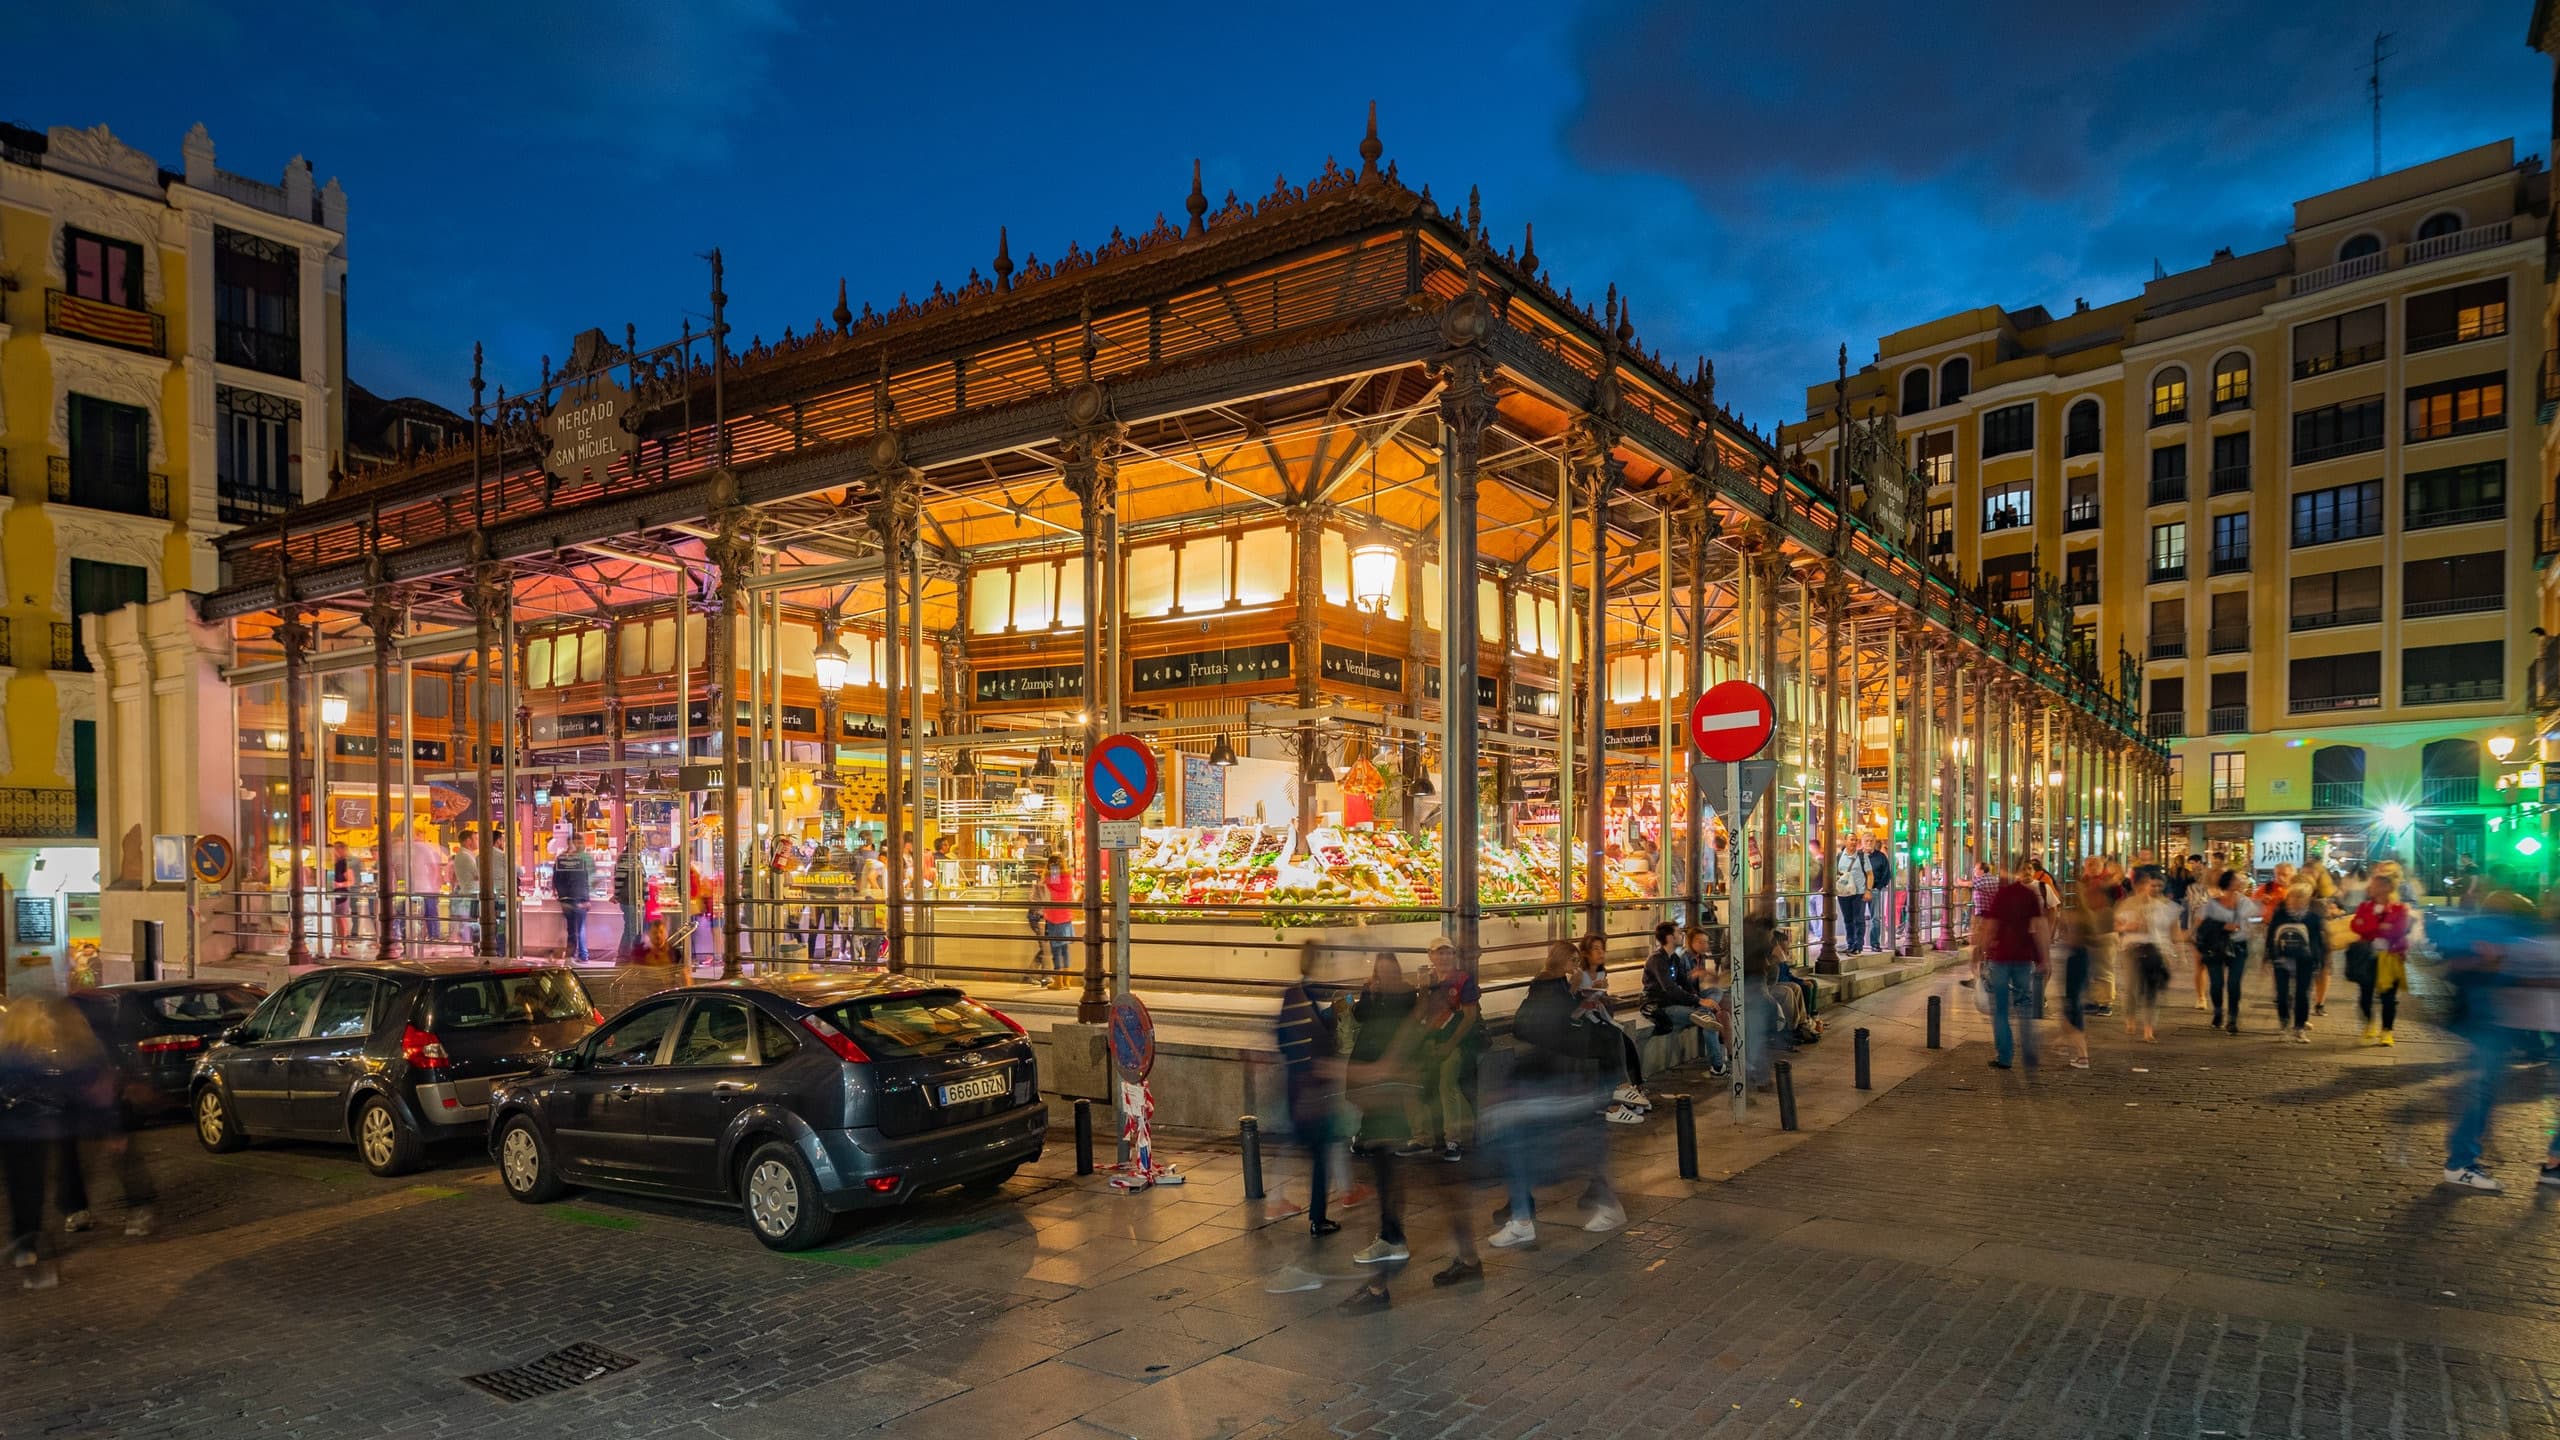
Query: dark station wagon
394, 1056
796, 1098
158, 1029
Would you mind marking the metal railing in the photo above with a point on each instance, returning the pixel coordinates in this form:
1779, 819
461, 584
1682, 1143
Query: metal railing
2080, 592
2336, 449
2226, 719
265, 351
2170, 725
2168, 647
2450, 605
2004, 518
2439, 339
2225, 802
2448, 692
2330, 619
2544, 676
2546, 533
58, 491
66, 653
2338, 274
2226, 639
2320, 704
2307, 366
2417, 519
2168, 415
2551, 377
2080, 516
2230, 479
248, 507
2168, 489
2480, 425
2230, 562
102, 322
2449, 790
2168, 570
2460, 242
2337, 794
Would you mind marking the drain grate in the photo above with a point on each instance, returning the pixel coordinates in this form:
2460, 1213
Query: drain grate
560, 1370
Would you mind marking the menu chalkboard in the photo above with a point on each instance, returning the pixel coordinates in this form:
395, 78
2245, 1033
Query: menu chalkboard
33, 923
1204, 791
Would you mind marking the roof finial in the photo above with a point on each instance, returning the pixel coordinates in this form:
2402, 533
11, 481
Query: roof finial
844, 312
1084, 323
1475, 211
1004, 259
1627, 320
1197, 202
1370, 149
1609, 310
1529, 251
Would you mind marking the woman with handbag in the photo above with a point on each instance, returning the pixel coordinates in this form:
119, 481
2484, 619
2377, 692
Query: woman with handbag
2222, 946
2378, 961
2146, 935
2297, 951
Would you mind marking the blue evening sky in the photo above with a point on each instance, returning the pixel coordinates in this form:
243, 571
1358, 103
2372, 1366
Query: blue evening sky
1763, 181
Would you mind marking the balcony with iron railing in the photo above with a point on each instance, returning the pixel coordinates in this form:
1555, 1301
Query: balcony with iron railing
151, 500
2080, 514
2166, 724
2080, 592
2231, 561
2226, 639
2550, 383
2416, 252
2451, 692
2006, 517
2418, 519
2546, 533
2339, 274
2449, 790
2168, 570
8, 643
2168, 647
2230, 479
2451, 605
2337, 794
2331, 619
2226, 720
101, 322
269, 352
2482, 329
2338, 449
66, 653
2168, 489
2177, 803
2544, 675
2331, 362
2322, 704
2226, 801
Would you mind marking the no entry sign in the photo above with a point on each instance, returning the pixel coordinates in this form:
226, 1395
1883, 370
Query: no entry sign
1732, 721
1121, 777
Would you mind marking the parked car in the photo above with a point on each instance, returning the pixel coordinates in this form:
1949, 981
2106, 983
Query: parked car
796, 1098
157, 1029
394, 1056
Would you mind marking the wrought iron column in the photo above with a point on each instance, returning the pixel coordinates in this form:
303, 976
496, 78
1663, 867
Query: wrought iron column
488, 606
1091, 472
1949, 659
1918, 748
1466, 412
1773, 576
1597, 469
1835, 589
894, 517
296, 634
732, 557
1701, 528
382, 618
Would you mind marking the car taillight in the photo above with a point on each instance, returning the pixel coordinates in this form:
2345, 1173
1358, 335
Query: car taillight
422, 1049
882, 1184
595, 1017
1010, 1023
168, 1044
835, 1039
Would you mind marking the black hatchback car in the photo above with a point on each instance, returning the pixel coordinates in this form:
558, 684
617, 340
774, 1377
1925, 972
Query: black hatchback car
797, 1098
158, 1029
395, 1056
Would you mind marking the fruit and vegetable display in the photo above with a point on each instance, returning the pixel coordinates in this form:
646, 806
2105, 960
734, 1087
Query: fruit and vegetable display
1343, 876
1182, 865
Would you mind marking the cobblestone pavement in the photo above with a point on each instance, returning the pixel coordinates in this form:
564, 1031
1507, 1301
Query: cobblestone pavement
2214, 1235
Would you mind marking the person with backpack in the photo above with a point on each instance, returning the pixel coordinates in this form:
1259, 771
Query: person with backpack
2378, 960
2297, 946
2222, 946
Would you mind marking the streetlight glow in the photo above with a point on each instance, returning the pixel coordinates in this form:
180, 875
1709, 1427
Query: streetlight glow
2502, 746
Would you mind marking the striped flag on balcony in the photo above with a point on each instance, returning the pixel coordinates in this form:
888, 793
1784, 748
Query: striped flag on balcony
110, 324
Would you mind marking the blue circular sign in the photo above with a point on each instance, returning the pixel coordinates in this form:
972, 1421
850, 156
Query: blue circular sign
1121, 777
1133, 1037
210, 859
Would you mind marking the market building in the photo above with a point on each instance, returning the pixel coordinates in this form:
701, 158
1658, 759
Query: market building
170, 367
1408, 562
2298, 485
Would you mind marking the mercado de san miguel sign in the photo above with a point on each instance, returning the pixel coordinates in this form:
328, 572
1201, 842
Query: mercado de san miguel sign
585, 426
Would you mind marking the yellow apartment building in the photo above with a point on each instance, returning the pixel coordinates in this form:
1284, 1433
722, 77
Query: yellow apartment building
2297, 485
171, 365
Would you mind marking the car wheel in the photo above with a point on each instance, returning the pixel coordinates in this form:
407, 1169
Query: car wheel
384, 1142
781, 1197
215, 1129
524, 1163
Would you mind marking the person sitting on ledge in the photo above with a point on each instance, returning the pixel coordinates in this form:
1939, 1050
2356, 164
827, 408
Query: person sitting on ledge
1671, 998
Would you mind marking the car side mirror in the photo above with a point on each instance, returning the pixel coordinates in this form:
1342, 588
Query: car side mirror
572, 1059
233, 1035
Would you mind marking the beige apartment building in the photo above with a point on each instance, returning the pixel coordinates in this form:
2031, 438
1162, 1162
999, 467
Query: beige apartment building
2298, 486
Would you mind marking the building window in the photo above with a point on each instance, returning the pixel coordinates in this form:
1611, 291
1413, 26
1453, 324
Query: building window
2227, 628
1955, 380
2231, 542
97, 268
2080, 577
2231, 382
2169, 696
2169, 475
2457, 495
2457, 407
2231, 463
2358, 247
1934, 456
2350, 427
2441, 223
2169, 551
100, 588
2334, 682
2477, 311
2337, 776
2010, 577
2169, 396
257, 303
1915, 391
2168, 628
2080, 504
2009, 507
2228, 712
2081, 429
2453, 585
2449, 773
1942, 530
2341, 512
2338, 342
2178, 781
2443, 674
2337, 597
2230, 779
258, 439
110, 457
2009, 429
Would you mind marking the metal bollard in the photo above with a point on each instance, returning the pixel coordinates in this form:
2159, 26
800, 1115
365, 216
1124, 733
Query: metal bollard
1786, 1096
1084, 1137
1935, 1005
1684, 1119
1866, 1081
1251, 1129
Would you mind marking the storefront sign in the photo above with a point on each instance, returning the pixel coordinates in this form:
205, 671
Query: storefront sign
1031, 683
1632, 737
363, 747
351, 813
1192, 670
2275, 842
169, 859
568, 727
34, 921
1529, 700
1486, 690
650, 719
1345, 666
872, 727
708, 777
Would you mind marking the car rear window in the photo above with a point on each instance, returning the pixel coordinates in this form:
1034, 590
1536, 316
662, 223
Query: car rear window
932, 1022
228, 1002
517, 997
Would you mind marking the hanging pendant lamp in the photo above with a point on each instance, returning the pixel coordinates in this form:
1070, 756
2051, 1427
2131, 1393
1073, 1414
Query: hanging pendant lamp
1222, 754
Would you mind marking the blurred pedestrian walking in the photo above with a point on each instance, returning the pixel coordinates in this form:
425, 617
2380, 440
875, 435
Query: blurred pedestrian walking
2016, 938
2297, 953
1311, 1080
2146, 936
2222, 946
1452, 1054
57, 1090
2073, 932
2504, 965
2378, 960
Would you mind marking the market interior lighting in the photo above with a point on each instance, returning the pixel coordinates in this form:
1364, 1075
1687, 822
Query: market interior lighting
833, 666
1373, 572
2502, 746
333, 707
1222, 754
1321, 772
2053, 777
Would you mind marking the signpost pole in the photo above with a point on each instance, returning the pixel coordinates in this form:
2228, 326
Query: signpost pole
191, 922
1120, 972
1738, 1068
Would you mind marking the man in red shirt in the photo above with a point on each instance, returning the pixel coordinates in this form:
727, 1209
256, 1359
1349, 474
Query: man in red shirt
2016, 936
